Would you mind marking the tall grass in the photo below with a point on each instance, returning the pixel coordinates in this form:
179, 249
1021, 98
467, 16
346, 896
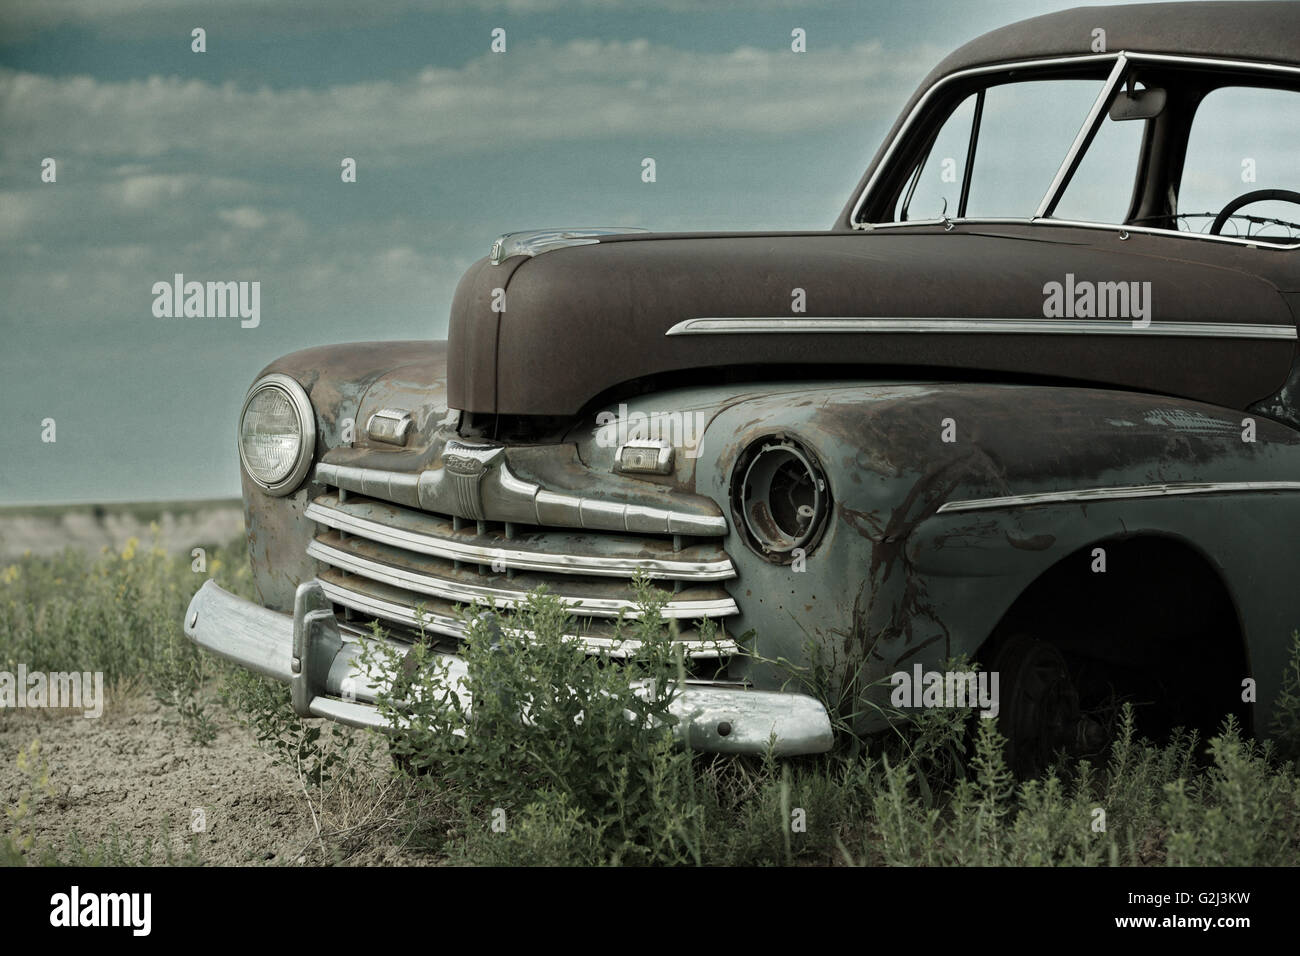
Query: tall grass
589, 779
593, 776
119, 613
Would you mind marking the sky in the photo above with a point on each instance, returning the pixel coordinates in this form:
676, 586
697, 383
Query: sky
227, 165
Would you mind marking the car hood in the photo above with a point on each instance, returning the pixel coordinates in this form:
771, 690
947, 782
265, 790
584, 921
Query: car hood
562, 331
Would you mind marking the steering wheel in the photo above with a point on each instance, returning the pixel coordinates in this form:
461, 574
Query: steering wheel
1286, 195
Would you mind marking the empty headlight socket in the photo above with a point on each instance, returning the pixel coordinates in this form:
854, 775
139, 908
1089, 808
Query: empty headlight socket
780, 497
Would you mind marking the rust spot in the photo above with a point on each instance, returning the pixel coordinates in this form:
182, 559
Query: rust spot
1037, 542
865, 523
917, 648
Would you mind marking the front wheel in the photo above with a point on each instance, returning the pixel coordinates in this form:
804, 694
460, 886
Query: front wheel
1039, 711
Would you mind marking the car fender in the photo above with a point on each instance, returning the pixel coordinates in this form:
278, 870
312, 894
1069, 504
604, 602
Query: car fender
901, 576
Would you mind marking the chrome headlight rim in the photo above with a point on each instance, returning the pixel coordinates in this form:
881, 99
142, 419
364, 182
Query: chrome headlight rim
774, 544
297, 396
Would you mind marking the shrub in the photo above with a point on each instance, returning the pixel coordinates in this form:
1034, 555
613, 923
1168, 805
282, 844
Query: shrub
550, 726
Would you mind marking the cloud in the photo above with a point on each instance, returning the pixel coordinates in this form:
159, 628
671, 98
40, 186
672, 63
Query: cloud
19, 212
149, 191
539, 92
165, 174
157, 15
245, 217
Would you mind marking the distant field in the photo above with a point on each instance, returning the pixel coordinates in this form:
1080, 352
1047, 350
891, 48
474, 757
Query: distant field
178, 525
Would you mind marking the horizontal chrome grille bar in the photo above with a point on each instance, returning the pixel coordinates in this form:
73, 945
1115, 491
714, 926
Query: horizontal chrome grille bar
487, 488
394, 604
389, 566
557, 552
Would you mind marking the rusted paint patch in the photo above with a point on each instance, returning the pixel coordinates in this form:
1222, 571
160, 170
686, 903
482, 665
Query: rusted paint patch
1034, 542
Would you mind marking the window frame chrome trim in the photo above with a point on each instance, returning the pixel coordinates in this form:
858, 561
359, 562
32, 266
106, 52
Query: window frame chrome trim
921, 104
1085, 135
1251, 243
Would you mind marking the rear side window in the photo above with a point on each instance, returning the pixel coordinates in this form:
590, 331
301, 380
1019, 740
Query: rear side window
935, 188
1242, 139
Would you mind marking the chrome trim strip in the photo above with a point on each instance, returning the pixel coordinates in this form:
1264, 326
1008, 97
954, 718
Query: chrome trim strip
452, 627
1064, 171
953, 220
1249, 242
504, 597
1247, 65
1116, 492
1250, 65
735, 325
398, 487
1253, 242
475, 481
521, 560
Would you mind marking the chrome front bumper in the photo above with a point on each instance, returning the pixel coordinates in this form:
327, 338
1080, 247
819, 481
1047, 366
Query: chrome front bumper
322, 667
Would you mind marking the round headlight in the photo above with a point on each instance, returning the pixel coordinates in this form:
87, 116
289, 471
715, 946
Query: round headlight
277, 434
781, 497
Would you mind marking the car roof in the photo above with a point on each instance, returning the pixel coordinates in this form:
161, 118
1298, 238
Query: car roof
1268, 32
1248, 30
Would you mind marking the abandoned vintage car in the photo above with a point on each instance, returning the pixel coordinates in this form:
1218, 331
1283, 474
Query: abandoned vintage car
1032, 400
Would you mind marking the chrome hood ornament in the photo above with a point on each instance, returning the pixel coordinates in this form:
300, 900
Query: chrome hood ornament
536, 241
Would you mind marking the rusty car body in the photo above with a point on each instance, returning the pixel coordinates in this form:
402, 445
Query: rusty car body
1024, 402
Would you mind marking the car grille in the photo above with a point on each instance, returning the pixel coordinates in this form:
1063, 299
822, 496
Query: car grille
417, 569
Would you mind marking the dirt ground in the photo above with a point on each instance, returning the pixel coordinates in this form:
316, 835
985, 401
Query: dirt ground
135, 773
